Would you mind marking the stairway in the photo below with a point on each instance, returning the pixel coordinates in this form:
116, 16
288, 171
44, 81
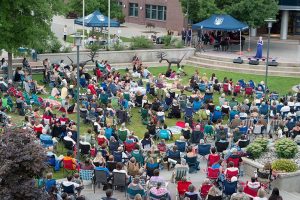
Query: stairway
226, 64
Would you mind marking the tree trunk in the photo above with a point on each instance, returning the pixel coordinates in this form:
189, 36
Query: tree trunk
10, 66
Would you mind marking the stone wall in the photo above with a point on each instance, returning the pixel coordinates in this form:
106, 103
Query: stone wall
120, 56
285, 181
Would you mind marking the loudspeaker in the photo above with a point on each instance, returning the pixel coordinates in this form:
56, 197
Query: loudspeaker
273, 63
238, 60
253, 62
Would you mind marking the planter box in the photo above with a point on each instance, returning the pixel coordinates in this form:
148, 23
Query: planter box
284, 181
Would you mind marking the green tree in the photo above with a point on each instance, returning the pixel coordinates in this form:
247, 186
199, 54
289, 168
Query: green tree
91, 5
198, 10
253, 12
22, 160
26, 23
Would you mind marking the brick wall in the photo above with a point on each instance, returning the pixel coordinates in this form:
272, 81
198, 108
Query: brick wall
175, 18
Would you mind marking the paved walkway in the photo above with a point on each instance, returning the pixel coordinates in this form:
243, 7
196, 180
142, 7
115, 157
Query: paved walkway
196, 179
126, 30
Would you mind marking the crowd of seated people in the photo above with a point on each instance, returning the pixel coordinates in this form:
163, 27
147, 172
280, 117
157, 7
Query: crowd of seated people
224, 128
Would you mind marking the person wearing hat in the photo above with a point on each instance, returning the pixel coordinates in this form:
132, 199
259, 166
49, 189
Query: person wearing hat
217, 114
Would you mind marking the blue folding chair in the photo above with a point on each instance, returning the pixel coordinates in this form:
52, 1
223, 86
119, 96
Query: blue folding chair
117, 156
229, 188
207, 97
46, 143
204, 149
132, 193
181, 146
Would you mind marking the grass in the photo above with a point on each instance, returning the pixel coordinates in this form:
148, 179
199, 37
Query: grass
282, 85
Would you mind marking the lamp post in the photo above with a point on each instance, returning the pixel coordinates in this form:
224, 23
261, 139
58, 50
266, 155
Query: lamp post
78, 37
270, 22
83, 15
108, 38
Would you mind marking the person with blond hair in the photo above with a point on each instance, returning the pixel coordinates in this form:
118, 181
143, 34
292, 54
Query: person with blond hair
261, 195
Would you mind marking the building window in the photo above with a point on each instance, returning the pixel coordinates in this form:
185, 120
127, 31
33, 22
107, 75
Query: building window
156, 12
120, 3
133, 9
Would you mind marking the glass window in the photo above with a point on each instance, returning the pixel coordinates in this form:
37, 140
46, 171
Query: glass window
160, 13
148, 11
156, 12
133, 9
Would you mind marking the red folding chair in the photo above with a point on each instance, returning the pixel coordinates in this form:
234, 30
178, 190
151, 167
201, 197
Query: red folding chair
237, 89
226, 88
249, 191
249, 91
182, 187
212, 159
212, 174
230, 174
68, 166
204, 190
101, 141
236, 161
129, 146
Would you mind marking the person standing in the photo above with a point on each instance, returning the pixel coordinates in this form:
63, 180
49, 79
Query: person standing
188, 37
65, 33
260, 44
183, 35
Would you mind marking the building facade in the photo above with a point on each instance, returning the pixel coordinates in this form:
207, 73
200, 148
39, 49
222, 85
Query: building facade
289, 18
161, 13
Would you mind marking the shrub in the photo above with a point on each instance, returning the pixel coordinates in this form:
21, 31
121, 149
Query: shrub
66, 50
167, 40
284, 165
118, 46
255, 150
141, 42
55, 46
262, 142
178, 44
286, 148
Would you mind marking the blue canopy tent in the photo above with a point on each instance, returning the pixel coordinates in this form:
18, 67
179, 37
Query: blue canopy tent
96, 19
221, 22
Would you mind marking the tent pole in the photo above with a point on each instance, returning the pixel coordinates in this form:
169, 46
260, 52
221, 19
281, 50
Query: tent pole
240, 42
249, 46
83, 19
108, 23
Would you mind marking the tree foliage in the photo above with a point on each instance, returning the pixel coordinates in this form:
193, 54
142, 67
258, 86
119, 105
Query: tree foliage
198, 10
253, 12
91, 5
26, 23
22, 160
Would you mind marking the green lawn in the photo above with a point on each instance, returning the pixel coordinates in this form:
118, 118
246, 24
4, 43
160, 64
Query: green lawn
282, 85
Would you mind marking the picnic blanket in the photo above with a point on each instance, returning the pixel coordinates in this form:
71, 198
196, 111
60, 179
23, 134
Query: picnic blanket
175, 129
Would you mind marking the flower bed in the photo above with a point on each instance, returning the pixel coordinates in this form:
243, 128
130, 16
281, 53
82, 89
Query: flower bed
284, 157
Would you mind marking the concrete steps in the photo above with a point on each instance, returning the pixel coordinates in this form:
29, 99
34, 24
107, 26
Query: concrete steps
245, 58
226, 64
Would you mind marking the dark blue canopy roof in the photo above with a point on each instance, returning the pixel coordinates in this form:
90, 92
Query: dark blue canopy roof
96, 19
221, 22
